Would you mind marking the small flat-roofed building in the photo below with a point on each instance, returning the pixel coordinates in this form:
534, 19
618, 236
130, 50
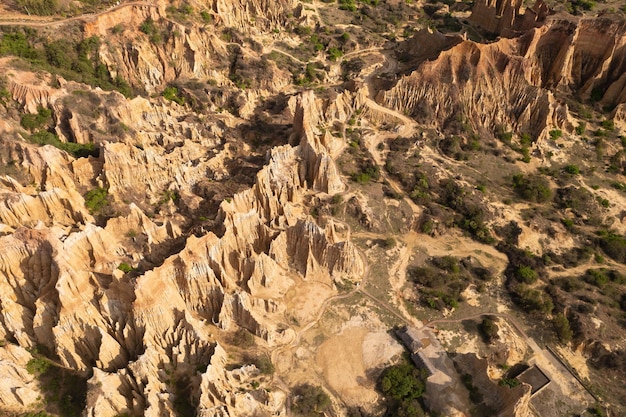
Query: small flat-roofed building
534, 377
411, 338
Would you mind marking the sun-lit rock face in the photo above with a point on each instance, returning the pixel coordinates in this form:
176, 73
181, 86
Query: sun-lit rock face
186, 52
229, 205
62, 288
516, 82
506, 17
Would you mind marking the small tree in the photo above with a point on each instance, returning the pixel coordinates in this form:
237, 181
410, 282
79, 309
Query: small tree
562, 328
526, 274
96, 199
489, 329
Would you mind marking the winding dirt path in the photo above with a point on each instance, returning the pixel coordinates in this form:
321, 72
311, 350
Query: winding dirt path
39, 21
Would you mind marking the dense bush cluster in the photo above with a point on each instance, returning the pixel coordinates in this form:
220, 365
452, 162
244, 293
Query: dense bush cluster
38, 7
310, 401
78, 150
96, 199
488, 329
403, 386
441, 285
78, 61
471, 214
532, 188
613, 245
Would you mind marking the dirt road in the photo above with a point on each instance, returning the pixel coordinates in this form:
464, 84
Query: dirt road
43, 21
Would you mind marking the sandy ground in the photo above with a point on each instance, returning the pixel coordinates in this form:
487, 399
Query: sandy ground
342, 364
345, 359
576, 360
305, 300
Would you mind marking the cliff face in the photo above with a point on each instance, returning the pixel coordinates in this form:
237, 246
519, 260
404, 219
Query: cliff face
503, 17
188, 219
19, 389
62, 289
471, 82
579, 57
516, 82
183, 52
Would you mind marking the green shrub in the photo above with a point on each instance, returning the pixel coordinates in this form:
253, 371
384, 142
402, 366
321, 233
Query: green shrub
361, 178
38, 7
148, 27
125, 268
74, 61
186, 9
36, 414
572, 169
38, 366
5, 95
389, 243
526, 274
504, 135
608, 124
562, 328
347, 5
36, 121
117, 29
532, 300
20, 43
309, 400
427, 227
171, 93
581, 128
488, 329
597, 93
555, 134
78, 150
614, 245
532, 188
96, 199
509, 382
597, 411
403, 382
596, 277
334, 53
206, 16
569, 284
448, 263
303, 30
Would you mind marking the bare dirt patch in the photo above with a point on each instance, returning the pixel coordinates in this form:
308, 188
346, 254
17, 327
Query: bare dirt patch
346, 360
305, 300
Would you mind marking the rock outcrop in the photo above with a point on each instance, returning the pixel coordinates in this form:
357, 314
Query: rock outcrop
517, 82
18, 388
135, 332
184, 52
503, 17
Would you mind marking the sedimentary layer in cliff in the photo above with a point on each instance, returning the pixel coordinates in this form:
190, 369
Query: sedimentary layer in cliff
517, 82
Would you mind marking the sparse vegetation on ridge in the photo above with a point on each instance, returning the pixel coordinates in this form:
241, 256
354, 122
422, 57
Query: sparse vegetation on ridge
78, 61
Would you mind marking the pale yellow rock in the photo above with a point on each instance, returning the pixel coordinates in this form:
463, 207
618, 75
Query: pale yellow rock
18, 389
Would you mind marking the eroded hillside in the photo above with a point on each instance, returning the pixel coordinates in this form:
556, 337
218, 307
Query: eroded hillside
225, 208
